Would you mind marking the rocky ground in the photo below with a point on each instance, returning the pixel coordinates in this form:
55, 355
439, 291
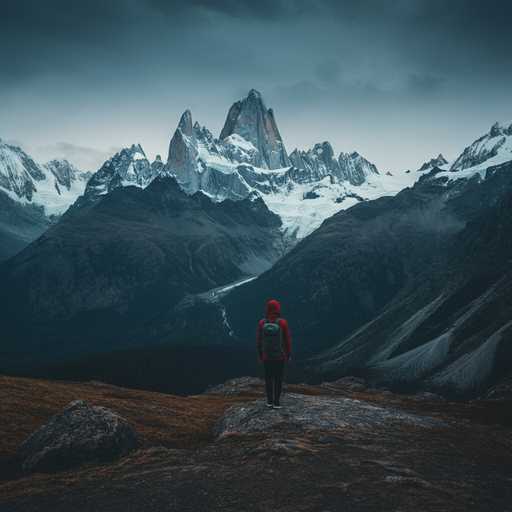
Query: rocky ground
331, 448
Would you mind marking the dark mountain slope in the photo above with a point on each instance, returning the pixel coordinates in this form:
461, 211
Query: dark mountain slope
118, 275
19, 225
450, 329
348, 271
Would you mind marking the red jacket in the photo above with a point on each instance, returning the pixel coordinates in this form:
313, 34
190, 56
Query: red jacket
272, 313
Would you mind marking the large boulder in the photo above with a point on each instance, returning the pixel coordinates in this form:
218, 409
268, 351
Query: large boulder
308, 413
81, 433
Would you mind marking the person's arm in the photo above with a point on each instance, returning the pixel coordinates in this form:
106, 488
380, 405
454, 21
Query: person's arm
287, 340
258, 342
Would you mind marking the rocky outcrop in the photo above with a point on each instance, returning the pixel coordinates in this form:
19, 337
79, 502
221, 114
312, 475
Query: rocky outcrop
250, 119
355, 169
317, 163
81, 433
65, 173
236, 387
434, 162
308, 413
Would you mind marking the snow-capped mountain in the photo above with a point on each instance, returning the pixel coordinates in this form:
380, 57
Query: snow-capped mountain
249, 157
303, 189
125, 271
493, 148
32, 196
250, 120
320, 162
128, 167
52, 186
434, 162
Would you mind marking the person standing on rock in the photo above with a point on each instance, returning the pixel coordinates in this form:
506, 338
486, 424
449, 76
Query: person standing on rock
274, 348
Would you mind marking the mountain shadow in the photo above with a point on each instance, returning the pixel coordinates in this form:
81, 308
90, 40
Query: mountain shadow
125, 272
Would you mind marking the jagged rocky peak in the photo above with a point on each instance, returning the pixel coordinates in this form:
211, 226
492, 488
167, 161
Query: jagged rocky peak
434, 162
157, 166
185, 125
183, 154
205, 140
355, 168
497, 129
128, 167
318, 162
495, 145
183, 145
137, 148
250, 119
19, 173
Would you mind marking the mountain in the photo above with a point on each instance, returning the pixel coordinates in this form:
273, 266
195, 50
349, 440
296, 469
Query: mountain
364, 281
320, 162
124, 272
128, 167
303, 189
250, 119
32, 196
20, 224
450, 329
434, 162
493, 148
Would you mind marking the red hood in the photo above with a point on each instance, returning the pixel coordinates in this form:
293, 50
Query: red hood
273, 309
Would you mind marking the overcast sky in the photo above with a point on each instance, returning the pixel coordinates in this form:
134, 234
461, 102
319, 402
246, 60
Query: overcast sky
397, 81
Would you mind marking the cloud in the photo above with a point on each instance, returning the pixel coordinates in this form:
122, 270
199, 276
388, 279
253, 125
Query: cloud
20, 144
423, 85
328, 71
83, 158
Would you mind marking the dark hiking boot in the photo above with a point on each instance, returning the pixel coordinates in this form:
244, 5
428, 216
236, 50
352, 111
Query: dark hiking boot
278, 405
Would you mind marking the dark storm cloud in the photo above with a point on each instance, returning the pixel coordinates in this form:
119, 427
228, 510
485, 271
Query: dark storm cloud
328, 71
456, 35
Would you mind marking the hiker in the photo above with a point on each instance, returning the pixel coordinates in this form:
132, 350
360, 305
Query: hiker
274, 348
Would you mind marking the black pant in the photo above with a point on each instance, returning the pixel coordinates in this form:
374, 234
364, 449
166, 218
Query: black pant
274, 378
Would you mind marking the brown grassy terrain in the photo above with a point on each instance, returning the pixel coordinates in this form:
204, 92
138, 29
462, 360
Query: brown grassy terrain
467, 466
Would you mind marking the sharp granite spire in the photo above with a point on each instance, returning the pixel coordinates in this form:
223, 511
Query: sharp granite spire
250, 119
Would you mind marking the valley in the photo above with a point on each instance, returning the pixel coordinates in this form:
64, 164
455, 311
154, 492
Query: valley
381, 276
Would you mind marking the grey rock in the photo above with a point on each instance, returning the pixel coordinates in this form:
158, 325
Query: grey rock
250, 119
354, 384
355, 168
237, 386
425, 396
407, 480
65, 173
434, 162
81, 433
311, 412
319, 162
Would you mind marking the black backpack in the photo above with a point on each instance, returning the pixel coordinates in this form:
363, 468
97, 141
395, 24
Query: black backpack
271, 338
